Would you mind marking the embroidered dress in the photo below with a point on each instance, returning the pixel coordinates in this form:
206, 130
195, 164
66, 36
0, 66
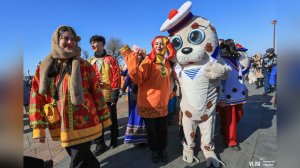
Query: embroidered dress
136, 129
78, 123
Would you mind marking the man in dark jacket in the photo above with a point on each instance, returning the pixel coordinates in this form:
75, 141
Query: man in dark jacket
269, 61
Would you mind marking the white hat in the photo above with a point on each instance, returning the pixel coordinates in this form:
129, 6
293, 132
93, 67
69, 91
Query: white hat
178, 18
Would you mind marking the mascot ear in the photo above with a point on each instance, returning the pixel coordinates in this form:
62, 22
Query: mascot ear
170, 48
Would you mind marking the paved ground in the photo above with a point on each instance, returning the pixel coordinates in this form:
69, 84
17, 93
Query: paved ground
256, 134
49, 150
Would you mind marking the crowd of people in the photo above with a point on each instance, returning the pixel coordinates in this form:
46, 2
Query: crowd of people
264, 71
77, 99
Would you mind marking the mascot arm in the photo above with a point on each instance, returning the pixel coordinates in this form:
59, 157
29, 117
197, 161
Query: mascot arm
227, 69
244, 62
217, 70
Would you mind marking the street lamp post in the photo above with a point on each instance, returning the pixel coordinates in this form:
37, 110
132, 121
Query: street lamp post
274, 33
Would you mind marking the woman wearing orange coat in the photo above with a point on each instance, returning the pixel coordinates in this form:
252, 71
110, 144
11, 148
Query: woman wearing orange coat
153, 79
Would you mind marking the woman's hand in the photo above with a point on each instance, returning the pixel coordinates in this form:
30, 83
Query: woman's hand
122, 93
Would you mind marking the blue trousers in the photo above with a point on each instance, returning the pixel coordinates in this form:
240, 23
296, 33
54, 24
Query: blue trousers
266, 80
273, 75
171, 108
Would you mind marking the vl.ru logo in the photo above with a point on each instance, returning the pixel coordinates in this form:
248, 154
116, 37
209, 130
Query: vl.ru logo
254, 163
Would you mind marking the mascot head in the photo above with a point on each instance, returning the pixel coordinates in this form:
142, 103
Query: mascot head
229, 48
193, 37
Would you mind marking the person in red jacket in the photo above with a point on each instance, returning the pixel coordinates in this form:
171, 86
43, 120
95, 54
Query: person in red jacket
108, 73
66, 98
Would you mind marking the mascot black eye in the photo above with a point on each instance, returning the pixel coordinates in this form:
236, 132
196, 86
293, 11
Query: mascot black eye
177, 42
196, 36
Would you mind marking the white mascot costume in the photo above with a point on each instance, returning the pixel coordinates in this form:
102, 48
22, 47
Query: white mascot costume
199, 70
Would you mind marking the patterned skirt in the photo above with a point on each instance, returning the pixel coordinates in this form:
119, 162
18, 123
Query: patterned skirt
136, 129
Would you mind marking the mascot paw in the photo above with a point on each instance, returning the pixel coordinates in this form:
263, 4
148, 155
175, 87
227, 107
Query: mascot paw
215, 162
211, 158
188, 154
216, 71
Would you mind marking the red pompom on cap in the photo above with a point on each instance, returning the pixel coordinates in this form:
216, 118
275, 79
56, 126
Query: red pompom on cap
172, 13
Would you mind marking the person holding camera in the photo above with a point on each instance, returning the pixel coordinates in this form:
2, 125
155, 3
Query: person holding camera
268, 63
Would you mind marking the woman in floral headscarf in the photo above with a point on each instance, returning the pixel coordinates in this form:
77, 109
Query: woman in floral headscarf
68, 84
153, 79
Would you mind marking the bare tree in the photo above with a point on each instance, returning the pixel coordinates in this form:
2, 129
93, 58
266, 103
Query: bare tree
85, 54
113, 46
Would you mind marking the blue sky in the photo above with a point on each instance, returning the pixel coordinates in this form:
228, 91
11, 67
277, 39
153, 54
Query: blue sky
29, 24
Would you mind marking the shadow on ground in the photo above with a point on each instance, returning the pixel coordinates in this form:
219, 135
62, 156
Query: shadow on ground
256, 116
140, 156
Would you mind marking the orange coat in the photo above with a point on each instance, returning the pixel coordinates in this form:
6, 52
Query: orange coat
154, 88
